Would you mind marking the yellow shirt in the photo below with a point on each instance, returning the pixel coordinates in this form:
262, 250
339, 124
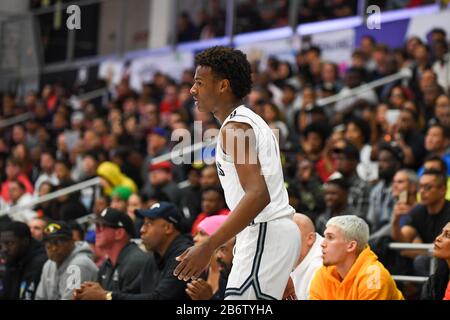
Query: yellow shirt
367, 279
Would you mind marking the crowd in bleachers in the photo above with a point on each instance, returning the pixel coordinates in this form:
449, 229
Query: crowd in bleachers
358, 156
256, 15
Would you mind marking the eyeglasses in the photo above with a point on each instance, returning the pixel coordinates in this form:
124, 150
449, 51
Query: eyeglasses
101, 226
426, 187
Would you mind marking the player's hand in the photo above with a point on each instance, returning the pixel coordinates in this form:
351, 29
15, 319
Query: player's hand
193, 261
199, 290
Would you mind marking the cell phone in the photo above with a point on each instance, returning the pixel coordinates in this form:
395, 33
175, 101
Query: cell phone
403, 197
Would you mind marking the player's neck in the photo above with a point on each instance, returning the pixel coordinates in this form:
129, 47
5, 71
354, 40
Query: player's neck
222, 113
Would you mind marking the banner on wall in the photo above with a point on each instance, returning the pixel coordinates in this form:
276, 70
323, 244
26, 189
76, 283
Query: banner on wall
173, 64
111, 71
421, 25
280, 48
337, 46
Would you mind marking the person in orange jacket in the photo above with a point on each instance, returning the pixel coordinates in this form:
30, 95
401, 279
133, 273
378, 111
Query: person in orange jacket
351, 271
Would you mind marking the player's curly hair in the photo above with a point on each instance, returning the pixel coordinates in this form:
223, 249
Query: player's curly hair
230, 64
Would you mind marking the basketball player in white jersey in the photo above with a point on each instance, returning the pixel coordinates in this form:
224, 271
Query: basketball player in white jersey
249, 168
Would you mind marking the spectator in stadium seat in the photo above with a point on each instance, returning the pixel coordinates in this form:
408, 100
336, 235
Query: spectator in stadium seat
25, 258
405, 186
336, 195
160, 177
425, 221
162, 233
224, 255
37, 226
210, 285
19, 197
213, 203
119, 198
381, 201
209, 177
410, 139
357, 131
312, 143
62, 170
13, 171
353, 78
437, 142
191, 196
437, 163
309, 189
347, 159
438, 285
351, 271
442, 110
121, 271
310, 259
69, 264
90, 162
67, 207
441, 66
135, 202
111, 176
47, 172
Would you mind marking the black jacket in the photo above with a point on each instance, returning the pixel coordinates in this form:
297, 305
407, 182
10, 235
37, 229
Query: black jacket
125, 276
22, 277
158, 281
434, 288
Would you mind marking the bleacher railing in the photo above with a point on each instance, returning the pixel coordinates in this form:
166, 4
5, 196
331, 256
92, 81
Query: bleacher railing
427, 247
73, 188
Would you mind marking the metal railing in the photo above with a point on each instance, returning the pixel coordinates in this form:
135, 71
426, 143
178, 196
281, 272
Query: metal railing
73, 188
14, 120
403, 74
428, 247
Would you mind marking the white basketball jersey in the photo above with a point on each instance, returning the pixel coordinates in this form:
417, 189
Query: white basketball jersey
268, 153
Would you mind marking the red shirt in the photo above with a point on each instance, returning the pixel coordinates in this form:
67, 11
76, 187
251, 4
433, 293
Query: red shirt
447, 292
22, 178
203, 215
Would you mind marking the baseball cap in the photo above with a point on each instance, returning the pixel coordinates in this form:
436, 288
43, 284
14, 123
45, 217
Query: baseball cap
58, 229
114, 218
350, 151
159, 131
163, 210
165, 165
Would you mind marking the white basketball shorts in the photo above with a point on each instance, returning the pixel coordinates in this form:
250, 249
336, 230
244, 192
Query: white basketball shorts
264, 256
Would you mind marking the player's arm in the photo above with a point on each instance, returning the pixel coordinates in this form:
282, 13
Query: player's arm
255, 199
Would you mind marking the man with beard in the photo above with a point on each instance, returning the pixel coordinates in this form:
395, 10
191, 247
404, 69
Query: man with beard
200, 288
24, 258
351, 271
390, 160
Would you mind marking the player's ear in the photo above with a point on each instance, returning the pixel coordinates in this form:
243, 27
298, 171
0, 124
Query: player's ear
224, 85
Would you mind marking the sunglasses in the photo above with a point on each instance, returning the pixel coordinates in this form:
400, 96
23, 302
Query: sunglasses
101, 226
